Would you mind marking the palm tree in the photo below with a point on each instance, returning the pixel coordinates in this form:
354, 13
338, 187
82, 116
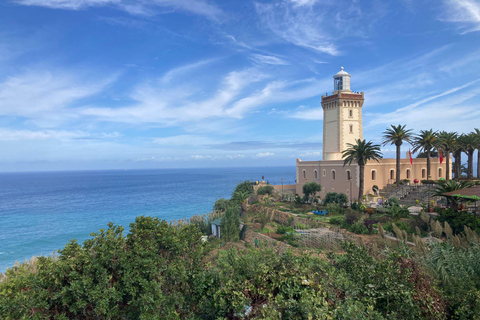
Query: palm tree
447, 142
469, 142
241, 198
443, 186
477, 132
396, 135
425, 141
361, 152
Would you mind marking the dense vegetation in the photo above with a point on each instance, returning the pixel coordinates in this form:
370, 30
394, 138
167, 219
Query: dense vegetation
158, 272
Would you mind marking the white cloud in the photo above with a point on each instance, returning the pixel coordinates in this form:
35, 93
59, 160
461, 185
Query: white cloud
236, 156
260, 58
42, 94
265, 155
19, 135
304, 2
464, 12
201, 157
304, 113
134, 7
183, 70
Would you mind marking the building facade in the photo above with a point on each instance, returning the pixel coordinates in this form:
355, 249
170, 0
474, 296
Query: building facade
342, 124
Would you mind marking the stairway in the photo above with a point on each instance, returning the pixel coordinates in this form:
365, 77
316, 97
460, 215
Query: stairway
407, 194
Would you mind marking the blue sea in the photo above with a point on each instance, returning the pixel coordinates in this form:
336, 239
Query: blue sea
41, 211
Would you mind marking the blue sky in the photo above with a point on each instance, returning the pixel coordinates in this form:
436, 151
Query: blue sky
113, 84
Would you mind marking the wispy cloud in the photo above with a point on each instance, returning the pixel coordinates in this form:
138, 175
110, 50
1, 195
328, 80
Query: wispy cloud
464, 12
41, 94
304, 113
134, 7
21, 135
264, 155
260, 58
318, 25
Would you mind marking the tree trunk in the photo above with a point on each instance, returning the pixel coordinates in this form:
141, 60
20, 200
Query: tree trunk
362, 181
458, 164
470, 164
478, 163
428, 165
398, 164
447, 163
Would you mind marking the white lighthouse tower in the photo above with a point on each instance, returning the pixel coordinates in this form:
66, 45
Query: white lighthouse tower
342, 117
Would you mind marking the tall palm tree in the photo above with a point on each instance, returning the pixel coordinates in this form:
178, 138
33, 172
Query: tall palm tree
470, 142
425, 141
361, 152
447, 142
396, 135
477, 132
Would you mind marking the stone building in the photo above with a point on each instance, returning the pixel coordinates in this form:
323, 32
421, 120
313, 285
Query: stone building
342, 124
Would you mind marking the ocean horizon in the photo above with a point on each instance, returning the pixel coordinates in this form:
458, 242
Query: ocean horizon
40, 211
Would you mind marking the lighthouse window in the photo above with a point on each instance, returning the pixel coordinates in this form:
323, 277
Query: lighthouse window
338, 84
351, 128
350, 114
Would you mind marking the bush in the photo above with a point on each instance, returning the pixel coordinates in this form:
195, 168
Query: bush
457, 220
402, 225
393, 202
358, 228
337, 220
334, 197
351, 218
244, 187
265, 190
283, 229
221, 205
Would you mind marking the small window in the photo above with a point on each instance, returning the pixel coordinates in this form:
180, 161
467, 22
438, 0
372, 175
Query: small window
374, 175
348, 192
333, 174
350, 113
392, 174
423, 173
351, 128
439, 172
348, 175
408, 173
316, 174
304, 174
324, 172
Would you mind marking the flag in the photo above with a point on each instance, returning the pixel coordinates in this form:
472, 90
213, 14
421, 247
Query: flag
441, 155
410, 155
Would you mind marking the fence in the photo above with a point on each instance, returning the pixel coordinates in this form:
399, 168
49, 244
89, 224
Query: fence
323, 238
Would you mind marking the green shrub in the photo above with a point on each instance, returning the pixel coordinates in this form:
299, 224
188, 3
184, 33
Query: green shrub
334, 197
337, 220
221, 205
402, 225
457, 220
392, 201
358, 228
283, 229
265, 190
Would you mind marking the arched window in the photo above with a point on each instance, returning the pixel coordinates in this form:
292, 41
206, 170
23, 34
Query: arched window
351, 128
333, 174
408, 173
374, 175
349, 176
439, 172
423, 173
316, 174
392, 174
350, 113
304, 174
